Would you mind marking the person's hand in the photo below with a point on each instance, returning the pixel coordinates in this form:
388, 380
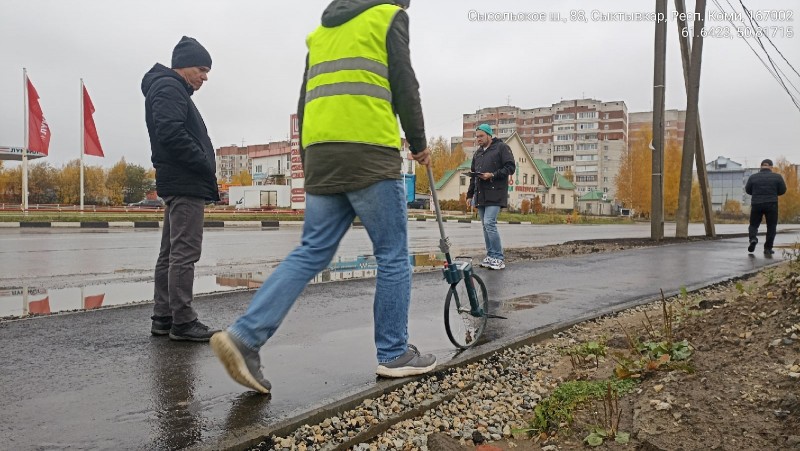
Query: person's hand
469, 203
486, 176
423, 158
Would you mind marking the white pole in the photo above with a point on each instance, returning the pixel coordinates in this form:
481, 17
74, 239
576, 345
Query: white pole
25, 147
82, 144
24, 300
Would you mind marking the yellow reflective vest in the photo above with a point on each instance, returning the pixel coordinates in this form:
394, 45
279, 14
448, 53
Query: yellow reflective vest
348, 97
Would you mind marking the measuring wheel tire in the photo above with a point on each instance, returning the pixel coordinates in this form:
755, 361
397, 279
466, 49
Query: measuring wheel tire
463, 329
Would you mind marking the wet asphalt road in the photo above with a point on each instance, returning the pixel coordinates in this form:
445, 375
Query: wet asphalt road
57, 258
97, 380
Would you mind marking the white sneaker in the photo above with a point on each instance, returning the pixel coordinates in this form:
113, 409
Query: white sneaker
497, 264
486, 262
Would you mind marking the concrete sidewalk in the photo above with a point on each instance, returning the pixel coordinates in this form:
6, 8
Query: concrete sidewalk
98, 380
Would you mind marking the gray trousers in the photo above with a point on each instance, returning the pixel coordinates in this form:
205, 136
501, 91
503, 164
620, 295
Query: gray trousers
181, 243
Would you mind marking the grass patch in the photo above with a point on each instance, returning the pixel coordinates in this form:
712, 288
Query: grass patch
557, 410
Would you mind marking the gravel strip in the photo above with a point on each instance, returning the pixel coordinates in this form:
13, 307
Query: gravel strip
480, 402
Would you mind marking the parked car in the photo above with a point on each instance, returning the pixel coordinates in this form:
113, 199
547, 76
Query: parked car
148, 203
420, 204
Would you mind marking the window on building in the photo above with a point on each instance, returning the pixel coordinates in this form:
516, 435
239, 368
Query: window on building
463, 181
524, 179
563, 198
605, 179
552, 198
605, 127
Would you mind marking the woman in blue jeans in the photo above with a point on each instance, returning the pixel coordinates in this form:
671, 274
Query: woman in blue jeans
492, 165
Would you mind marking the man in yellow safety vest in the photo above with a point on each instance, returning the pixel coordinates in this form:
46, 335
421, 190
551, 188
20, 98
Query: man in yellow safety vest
358, 80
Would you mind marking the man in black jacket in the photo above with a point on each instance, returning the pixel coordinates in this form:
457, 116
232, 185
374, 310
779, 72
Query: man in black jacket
492, 165
186, 179
764, 186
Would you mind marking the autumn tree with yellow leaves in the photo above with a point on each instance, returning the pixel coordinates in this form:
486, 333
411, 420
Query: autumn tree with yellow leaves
442, 160
634, 180
789, 203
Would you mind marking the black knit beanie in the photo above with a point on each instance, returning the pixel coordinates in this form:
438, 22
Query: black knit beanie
767, 161
189, 53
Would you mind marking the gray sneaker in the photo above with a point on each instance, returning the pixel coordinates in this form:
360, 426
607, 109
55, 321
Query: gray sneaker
411, 363
242, 363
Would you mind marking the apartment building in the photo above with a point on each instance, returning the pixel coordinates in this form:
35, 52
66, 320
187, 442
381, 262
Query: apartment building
585, 137
674, 125
270, 164
231, 160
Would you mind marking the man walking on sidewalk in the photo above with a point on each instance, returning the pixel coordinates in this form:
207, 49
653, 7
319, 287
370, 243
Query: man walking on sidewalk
492, 164
765, 186
358, 77
183, 157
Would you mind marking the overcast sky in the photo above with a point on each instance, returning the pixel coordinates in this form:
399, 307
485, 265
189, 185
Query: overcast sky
258, 51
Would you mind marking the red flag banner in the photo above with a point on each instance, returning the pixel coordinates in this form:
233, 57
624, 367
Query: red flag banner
40, 307
38, 130
91, 142
90, 302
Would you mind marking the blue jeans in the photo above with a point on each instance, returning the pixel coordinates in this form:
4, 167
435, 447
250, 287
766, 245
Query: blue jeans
381, 207
490, 234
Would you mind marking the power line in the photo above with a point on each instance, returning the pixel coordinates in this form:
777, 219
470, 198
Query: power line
769, 39
754, 24
772, 72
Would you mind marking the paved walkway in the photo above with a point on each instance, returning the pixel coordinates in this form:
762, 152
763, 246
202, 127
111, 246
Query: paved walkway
98, 380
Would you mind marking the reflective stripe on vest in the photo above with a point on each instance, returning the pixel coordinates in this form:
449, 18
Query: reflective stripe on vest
348, 97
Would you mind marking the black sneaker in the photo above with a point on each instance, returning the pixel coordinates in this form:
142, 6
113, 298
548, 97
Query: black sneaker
161, 325
411, 363
768, 252
242, 363
752, 245
193, 331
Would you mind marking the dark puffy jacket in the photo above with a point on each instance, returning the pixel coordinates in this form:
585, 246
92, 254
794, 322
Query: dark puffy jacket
182, 153
765, 186
497, 159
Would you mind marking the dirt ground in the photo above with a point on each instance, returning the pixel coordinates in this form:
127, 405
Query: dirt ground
739, 389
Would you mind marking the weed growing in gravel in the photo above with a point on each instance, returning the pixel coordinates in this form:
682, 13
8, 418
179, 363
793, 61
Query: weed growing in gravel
612, 413
659, 351
556, 411
579, 353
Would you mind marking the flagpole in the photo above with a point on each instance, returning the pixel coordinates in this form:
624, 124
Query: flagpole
82, 143
25, 147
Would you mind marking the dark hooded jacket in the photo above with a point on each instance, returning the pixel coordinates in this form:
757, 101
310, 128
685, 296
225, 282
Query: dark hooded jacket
342, 167
765, 186
182, 153
497, 159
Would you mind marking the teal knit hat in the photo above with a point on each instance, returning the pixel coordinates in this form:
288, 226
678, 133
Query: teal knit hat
486, 128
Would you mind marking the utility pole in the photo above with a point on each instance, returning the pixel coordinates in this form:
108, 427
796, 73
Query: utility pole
700, 156
659, 75
691, 132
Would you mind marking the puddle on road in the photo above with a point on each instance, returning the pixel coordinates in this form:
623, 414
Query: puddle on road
523, 302
21, 301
